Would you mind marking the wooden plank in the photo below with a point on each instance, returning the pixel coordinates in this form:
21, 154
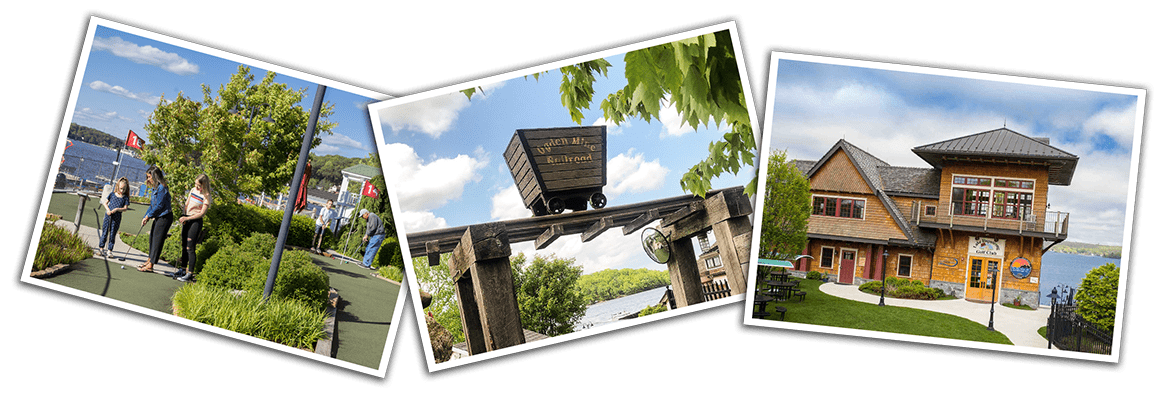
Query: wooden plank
597, 228
684, 273
538, 134
569, 184
571, 174
433, 252
550, 235
640, 222
535, 143
598, 163
693, 207
572, 159
568, 150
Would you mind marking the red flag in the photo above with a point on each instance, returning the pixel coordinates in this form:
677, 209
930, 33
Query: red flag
133, 141
369, 190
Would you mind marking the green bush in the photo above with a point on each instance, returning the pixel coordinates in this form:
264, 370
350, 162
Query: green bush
261, 244
59, 246
389, 254
231, 267
872, 286
649, 310
297, 279
1097, 298
813, 275
903, 288
391, 272
239, 221
283, 321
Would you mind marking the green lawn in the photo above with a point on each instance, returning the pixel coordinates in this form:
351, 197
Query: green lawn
364, 312
827, 310
66, 206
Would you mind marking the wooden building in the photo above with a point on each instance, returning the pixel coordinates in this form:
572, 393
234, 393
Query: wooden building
981, 204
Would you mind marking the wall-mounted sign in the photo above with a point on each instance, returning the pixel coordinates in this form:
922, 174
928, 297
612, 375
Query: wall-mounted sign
948, 261
986, 247
1021, 267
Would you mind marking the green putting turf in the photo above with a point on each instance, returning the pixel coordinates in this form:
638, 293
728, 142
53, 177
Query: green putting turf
363, 313
66, 206
93, 275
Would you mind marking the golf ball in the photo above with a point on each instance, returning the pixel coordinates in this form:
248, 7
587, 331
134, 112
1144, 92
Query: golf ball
123, 267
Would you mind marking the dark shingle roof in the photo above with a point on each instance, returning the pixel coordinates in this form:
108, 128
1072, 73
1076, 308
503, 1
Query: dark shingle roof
803, 165
915, 182
1003, 145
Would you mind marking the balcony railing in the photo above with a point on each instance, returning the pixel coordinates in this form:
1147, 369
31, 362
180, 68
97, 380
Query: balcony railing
1050, 222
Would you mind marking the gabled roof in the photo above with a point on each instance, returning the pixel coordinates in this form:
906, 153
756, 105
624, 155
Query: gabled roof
910, 182
869, 167
1003, 146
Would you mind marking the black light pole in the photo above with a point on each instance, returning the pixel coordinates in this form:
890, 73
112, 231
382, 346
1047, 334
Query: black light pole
882, 301
294, 188
1051, 315
994, 271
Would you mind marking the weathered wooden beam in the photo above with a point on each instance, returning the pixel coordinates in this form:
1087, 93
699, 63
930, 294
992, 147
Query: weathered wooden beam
548, 236
433, 252
691, 209
597, 228
483, 274
684, 273
641, 221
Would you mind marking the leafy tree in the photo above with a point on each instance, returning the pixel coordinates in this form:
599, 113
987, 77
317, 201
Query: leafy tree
698, 76
188, 137
93, 136
1097, 298
436, 280
608, 284
390, 253
547, 294
786, 208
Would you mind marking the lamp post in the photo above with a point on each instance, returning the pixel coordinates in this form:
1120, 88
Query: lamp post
1051, 315
882, 301
993, 272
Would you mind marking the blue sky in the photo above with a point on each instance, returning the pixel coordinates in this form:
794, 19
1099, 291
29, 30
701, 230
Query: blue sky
126, 75
888, 112
447, 154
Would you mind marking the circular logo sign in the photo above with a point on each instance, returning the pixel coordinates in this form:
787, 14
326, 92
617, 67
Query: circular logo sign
1021, 267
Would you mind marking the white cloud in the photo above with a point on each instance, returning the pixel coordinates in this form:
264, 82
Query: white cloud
421, 221
148, 55
425, 186
673, 123
507, 204
340, 140
94, 115
611, 127
433, 116
123, 92
1117, 123
326, 149
631, 172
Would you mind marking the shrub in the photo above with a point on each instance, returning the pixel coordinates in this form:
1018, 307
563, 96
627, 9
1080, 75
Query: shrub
297, 279
872, 286
239, 221
287, 322
59, 246
1097, 298
231, 267
391, 272
813, 275
389, 254
261, 244
649, 310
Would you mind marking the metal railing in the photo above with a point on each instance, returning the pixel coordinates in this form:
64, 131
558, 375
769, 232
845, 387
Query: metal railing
1069, 331
1051, 222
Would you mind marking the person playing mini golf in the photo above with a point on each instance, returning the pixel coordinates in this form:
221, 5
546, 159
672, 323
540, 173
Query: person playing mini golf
374, 236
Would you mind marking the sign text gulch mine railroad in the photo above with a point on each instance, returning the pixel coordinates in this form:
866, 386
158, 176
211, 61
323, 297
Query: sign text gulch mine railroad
567, 150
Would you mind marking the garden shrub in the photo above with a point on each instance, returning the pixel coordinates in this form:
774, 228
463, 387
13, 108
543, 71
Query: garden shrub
239, 221
1097, 298
297, 279
261, 244
649, 310
232, 267
903, 288
391, 272
283, 321
389, 254
813, 275
872, 286
58, 245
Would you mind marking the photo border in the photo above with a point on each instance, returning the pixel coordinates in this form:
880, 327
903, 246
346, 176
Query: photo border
23, 282
1114, 362
434, 371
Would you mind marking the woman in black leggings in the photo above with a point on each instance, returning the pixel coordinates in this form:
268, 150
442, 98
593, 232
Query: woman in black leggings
160, 211
198, 201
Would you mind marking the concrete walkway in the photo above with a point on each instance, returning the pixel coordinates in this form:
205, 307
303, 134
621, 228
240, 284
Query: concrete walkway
133, 257
1018, 325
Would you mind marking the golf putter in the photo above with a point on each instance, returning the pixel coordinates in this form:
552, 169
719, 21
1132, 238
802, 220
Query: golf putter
123, 257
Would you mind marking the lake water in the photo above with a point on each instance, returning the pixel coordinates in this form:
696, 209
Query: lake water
1067, 269
602, 313
96, 164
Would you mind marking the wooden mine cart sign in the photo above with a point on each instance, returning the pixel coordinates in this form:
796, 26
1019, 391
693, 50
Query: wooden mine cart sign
558, 168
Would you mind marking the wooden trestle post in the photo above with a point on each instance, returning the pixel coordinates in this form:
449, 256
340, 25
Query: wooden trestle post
482, 273
728, 215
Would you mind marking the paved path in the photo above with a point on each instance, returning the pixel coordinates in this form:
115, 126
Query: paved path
1018, 325
133, 257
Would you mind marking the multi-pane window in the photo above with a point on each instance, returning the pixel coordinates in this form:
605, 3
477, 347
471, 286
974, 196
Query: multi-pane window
994, 197
826, 257
904, 263
839, 207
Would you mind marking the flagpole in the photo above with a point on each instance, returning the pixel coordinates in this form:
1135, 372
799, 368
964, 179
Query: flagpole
117, 164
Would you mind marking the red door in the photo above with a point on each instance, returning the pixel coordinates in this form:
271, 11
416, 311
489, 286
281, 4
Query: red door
848, 259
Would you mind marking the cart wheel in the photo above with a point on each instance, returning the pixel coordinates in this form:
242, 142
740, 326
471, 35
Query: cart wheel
597, 200
556, 205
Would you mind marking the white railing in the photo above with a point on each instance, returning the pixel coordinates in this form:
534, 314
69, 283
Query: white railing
1052, 222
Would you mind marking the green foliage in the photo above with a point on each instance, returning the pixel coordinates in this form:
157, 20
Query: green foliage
260, 244
649, 310
297, 279
392, 272
813, 275
787, 206
1079, 248
93, 136
547, 294
327, 169
241, 152
231, 267
614, 283
903, 288
58, 245
236, 222
698, 77
379, 206
1097, 297
436, 280
283, 321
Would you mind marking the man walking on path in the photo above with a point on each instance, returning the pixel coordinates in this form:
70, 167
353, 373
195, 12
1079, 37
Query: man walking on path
374, 236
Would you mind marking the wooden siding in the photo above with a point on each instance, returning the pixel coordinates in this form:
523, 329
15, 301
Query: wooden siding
1039, 199
950, 259
839, 175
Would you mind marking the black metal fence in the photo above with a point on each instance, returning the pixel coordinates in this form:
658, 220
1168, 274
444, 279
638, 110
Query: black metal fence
1069, 331
716, 290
